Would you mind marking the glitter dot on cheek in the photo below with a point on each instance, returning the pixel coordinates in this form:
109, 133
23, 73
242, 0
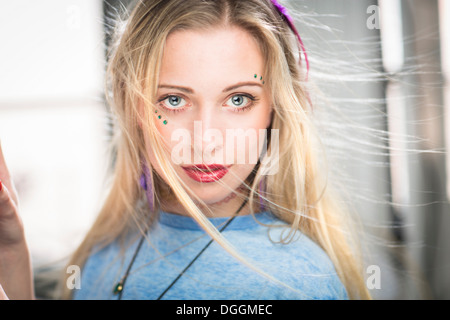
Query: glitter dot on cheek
160, 117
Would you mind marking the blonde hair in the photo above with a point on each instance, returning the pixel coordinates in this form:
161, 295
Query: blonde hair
298, 193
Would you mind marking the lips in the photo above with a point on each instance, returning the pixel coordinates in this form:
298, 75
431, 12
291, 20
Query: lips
206, 173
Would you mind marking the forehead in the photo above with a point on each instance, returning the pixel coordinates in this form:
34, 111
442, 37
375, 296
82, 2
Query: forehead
222, 53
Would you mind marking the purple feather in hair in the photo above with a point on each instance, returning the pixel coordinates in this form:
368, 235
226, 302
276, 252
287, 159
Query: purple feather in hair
283, 11
146, 184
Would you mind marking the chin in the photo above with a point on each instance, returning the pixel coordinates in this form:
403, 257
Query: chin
209, 193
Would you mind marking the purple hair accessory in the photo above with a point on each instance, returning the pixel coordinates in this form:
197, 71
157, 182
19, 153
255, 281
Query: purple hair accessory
145, 182
283, 11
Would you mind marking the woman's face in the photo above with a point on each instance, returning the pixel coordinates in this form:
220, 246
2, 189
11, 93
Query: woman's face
211, 103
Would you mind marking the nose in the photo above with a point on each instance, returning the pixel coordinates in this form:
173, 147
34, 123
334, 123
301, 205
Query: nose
208, 116
208, 135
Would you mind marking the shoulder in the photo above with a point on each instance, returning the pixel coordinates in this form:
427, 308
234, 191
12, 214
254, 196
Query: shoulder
101, 272
302, 269
308, 270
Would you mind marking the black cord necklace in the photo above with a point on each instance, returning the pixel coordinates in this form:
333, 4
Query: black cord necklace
119, 287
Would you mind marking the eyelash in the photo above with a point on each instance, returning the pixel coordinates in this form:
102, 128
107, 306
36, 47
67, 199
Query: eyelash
174, 110
253, 101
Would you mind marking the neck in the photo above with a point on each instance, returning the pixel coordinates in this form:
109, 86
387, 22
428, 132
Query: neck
224, 208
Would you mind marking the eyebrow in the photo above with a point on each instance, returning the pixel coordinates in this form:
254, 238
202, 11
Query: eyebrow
242, 84
230, 88
184, 89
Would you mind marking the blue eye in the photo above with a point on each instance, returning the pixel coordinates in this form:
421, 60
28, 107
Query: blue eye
240, 102
173, 102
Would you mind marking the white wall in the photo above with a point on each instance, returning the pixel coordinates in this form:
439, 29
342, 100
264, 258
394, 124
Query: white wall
52, 118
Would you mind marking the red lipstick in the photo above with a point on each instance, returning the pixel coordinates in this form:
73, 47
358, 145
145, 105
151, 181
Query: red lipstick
206, 173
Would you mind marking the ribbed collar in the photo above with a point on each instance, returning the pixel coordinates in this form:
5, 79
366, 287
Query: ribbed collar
240, 222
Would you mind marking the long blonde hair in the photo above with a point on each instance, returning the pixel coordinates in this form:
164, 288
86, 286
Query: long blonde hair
298, 193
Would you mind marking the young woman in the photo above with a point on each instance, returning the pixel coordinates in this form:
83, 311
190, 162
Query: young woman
218, 190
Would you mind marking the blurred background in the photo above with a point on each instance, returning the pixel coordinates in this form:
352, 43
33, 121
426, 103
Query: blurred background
384, 67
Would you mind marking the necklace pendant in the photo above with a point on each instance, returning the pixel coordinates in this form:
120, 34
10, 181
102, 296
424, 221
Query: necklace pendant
118, 288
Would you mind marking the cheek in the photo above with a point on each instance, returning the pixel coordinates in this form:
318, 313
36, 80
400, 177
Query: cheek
164, 132
161, 120
164, 127
266, 116
259, 117
239, 174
